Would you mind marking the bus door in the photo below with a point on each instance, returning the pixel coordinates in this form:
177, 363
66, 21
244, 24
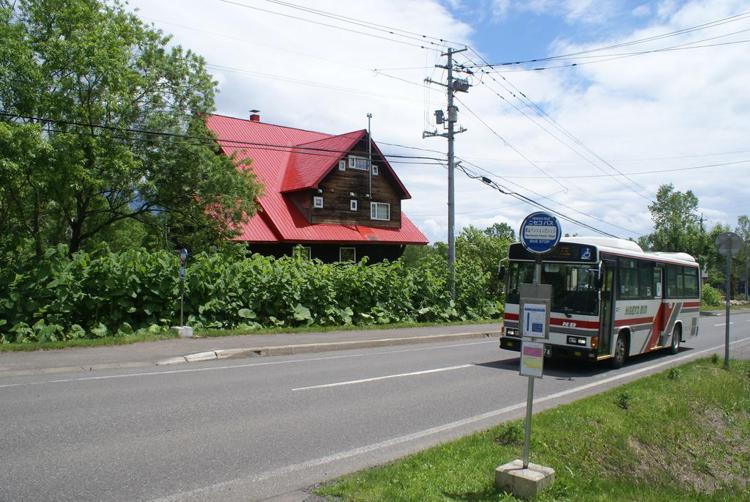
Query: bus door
606, 319
662, 314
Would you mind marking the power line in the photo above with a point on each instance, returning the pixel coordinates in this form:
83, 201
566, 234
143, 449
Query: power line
547, 197
299, 149
310, 83
563, 130
710, 24
366, 24
530, 201
637, 173
509, 145
337, 27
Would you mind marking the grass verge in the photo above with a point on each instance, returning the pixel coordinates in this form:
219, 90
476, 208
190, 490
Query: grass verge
683, 434
86, 342
326, 329
165, 335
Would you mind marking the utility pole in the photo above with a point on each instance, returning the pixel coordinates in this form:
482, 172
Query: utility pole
453, 85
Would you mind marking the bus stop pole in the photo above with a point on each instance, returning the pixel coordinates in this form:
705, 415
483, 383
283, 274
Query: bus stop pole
530, 391
726, 317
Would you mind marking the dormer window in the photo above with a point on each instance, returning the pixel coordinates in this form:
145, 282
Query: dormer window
318, 202
357, 162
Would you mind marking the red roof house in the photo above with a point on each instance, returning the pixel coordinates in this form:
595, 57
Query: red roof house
319, 192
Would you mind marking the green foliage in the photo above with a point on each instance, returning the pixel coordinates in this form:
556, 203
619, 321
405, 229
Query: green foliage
83, 79
102, 293
710, 296
510, 433
623, 400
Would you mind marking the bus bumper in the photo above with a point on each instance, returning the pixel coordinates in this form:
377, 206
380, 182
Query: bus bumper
555, 351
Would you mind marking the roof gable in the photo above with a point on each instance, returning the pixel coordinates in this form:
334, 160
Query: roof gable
310, 163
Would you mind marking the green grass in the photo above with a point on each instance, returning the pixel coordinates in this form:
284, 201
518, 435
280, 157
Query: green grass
722, 308
86, 342
325, 329
683, 434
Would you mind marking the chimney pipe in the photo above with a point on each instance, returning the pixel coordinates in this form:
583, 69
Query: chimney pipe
254, 115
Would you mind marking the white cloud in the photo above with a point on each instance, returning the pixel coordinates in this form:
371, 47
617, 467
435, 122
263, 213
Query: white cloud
641, 114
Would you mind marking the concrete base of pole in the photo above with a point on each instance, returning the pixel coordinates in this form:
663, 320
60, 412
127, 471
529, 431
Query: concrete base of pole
523, 483
183, 331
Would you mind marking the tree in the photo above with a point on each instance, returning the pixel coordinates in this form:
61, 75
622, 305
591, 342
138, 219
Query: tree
743, 230
119, 116
677, 225
501, 231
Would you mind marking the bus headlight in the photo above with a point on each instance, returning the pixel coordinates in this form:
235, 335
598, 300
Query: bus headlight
577, 340
511, 332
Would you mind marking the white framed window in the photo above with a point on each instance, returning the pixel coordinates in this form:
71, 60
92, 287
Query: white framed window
348, 254
342, 165
357, 162
302, 252
374, 170
352, 205
318, 202
380, 211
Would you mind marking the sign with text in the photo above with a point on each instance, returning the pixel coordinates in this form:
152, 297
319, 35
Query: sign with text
540, 232
534, 319
532, 359
534, 310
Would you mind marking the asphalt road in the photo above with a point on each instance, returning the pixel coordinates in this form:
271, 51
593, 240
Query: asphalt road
254, 429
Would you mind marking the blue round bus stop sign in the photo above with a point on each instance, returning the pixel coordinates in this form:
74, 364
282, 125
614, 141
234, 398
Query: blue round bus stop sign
540, 232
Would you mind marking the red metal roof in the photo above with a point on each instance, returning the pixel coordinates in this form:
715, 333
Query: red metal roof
281, 166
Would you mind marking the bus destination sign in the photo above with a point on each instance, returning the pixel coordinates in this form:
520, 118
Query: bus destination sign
540, 232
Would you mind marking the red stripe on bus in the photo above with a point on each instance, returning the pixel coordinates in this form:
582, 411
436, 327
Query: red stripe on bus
510, 316
691, 304
639, 320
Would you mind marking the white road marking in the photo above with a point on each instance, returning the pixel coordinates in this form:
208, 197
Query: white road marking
386, 377
724, 324
290, 469
249, 365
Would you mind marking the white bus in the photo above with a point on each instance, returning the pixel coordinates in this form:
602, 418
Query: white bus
610, 299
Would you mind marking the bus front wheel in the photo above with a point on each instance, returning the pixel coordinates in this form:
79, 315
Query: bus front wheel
620, 352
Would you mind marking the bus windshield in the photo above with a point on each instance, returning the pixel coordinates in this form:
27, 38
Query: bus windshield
573, 286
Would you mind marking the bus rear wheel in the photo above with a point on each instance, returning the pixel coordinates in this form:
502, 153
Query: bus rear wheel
620, 352
674, 348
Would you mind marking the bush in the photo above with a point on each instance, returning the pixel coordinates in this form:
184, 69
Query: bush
710, 296
102, 293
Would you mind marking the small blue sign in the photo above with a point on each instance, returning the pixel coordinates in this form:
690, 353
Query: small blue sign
540, 232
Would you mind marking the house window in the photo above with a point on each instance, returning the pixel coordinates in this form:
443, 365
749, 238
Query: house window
348, 255
352, 205
380, 211
302, 252
356, 162
342, 165
374, 170
318, 202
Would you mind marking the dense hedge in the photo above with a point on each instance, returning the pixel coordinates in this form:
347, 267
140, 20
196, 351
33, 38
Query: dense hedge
103, 293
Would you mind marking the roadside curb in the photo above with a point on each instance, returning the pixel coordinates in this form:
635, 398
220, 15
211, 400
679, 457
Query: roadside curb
287, 350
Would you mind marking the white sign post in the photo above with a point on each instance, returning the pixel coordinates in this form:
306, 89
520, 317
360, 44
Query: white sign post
730, 245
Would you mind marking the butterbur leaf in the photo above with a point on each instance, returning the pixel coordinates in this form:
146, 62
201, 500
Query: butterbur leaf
246, 314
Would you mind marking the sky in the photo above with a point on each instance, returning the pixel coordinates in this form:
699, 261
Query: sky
583, 136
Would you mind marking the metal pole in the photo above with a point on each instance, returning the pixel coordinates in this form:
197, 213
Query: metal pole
530, 391
369, 153
182, 301
527, 424
451, 186
728, 299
